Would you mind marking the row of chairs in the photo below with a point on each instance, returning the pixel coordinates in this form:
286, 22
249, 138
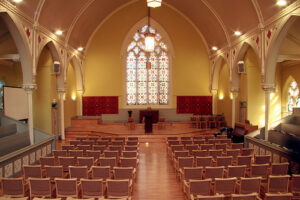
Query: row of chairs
97, 153
205, 148
99, 147
104, 142
276, 188
109, 138
63, 188
205, 122
196, 137
95, 172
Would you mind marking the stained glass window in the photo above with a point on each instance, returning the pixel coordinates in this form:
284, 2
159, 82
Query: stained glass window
293, 96
147, 73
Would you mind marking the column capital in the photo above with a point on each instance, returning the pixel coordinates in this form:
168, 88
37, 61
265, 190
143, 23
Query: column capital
214, 91
80, 92
29, 87
268, 87
61, 90
234, 90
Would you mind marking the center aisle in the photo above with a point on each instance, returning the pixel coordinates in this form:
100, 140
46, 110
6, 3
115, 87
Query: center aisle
156, 177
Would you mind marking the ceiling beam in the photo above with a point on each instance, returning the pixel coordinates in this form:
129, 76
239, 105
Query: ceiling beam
286, 57
14, 57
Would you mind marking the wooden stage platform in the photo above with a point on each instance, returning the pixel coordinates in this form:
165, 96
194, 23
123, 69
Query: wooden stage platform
94, 127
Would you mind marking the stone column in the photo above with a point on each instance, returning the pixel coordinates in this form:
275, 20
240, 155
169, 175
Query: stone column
234, 95
62, 92
268, 89
214, 101
29, 89
80, 94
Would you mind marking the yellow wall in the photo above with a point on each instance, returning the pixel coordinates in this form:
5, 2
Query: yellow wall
70, 104
252, 92
255, 94
104, 68
224, 106
11, 73
45, 93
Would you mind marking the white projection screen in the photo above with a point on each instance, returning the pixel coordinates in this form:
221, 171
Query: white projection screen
15, 103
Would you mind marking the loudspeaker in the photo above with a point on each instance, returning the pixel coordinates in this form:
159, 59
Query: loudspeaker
241, 67
56, 67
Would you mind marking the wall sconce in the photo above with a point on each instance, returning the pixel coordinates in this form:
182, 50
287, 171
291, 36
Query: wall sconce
73, 97
221, 96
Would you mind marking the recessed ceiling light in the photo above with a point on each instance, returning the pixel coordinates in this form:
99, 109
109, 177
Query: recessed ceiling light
214, 48
80, 48
237, 33
17, 1
281, 3
58, 32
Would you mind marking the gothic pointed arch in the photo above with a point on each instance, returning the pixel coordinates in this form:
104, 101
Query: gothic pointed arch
147, 74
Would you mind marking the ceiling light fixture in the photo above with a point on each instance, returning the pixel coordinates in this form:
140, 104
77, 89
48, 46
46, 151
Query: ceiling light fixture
149, 37
17, 1
154, 3
58, 32
214, 48
281, 3
237, 33
80, 48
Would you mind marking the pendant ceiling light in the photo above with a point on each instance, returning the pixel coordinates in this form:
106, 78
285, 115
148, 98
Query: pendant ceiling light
149, 37
154, 3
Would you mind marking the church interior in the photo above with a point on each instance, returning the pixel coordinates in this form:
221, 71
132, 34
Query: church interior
150, 99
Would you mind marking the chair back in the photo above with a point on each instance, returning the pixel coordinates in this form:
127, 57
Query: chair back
259, 170
54, 172
47, 161
262, 159
237, 145
200, 187
192, 173
214, 172
92, 188
244, 160
100, 148
204, 161
224, 161
200, 153
129, 154
252, 196
185, 162
34, 171
128, 162
247, 152
117, 188
66, 187
271, 196
279, 168
85, 161
40, 187
123, 172
278, 183
110, 161
225, 185
236, 171
13, 187
78, 172
250, 185
76, 153
100, 172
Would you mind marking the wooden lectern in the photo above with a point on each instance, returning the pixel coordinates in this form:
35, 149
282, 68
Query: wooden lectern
148, 122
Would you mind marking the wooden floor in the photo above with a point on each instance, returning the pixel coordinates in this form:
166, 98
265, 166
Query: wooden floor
156, 177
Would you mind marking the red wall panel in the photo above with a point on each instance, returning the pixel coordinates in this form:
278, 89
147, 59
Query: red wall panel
96, 105
200, 105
